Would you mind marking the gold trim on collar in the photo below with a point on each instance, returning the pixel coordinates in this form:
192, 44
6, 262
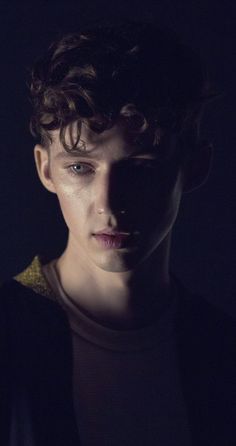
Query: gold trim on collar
32, 277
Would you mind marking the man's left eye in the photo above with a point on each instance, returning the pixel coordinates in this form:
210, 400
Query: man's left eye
146, 163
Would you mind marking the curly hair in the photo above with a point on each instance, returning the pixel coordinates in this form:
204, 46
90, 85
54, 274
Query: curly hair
134, 71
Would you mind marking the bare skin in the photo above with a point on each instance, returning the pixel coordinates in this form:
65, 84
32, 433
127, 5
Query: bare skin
121, 288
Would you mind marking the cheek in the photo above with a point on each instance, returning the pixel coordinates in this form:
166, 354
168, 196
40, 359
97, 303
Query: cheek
162, 201
73, 203
172, 206
173, 196
164, 215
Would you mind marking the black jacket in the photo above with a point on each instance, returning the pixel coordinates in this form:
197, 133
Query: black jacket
36, 405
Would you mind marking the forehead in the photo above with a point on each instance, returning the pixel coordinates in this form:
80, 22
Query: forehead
116, 141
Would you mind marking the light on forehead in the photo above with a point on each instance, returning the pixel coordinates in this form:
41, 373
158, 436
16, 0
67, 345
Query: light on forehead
72, 136
80, 139
81, 133
97, 152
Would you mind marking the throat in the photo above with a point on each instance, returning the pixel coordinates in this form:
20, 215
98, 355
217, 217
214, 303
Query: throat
121, 301
118, 310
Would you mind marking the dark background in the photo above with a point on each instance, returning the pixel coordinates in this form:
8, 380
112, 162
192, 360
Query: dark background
31, 223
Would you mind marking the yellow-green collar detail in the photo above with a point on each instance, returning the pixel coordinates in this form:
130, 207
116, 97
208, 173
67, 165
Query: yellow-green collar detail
32, 277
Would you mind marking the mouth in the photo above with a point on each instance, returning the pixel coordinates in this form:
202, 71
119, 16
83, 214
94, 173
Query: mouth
112, 232
114, 239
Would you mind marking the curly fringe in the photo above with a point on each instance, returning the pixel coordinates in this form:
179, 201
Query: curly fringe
134, 72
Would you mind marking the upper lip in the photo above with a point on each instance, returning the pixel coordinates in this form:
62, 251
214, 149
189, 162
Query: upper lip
109, 231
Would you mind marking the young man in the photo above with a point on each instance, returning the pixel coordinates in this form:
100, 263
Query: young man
104, 345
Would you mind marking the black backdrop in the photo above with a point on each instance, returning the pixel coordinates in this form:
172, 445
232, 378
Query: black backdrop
202, 248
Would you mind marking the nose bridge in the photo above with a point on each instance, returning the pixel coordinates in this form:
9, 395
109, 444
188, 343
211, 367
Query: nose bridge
103, 191
109, 191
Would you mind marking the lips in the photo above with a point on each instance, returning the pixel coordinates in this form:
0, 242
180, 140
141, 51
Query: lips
116, 238
115, 241
111, 232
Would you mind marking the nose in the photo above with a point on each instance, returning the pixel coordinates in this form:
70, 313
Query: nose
108, 195
103, 211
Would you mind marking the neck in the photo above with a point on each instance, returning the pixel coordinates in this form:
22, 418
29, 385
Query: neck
124, 300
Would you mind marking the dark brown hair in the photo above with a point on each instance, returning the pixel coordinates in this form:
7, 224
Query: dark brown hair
133, 71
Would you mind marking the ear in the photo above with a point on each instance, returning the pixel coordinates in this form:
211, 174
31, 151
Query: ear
197, 168
42, 161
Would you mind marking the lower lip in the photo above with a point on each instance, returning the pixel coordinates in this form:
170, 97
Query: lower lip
112, 241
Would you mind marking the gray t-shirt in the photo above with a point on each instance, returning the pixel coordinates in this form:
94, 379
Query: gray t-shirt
126, 383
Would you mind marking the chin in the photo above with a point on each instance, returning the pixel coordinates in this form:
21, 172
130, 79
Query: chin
118, 262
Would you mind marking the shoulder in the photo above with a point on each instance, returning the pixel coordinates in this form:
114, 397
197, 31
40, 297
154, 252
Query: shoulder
203, 324
32, 277
206, 346
27, 290
31, 326
27, 314
200, 309
26, 300
34, 337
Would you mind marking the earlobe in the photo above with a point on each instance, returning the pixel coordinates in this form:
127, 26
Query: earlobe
197, 169
42, 163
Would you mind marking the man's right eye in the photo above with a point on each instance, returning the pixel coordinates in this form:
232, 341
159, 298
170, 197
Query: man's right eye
80, 169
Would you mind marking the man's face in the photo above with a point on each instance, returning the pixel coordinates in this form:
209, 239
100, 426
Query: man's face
114, 184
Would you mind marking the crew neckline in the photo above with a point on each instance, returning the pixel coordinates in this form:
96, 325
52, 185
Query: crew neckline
105, 337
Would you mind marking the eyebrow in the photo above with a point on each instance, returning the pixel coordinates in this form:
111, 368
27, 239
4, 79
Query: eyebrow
92, 153
75, 153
